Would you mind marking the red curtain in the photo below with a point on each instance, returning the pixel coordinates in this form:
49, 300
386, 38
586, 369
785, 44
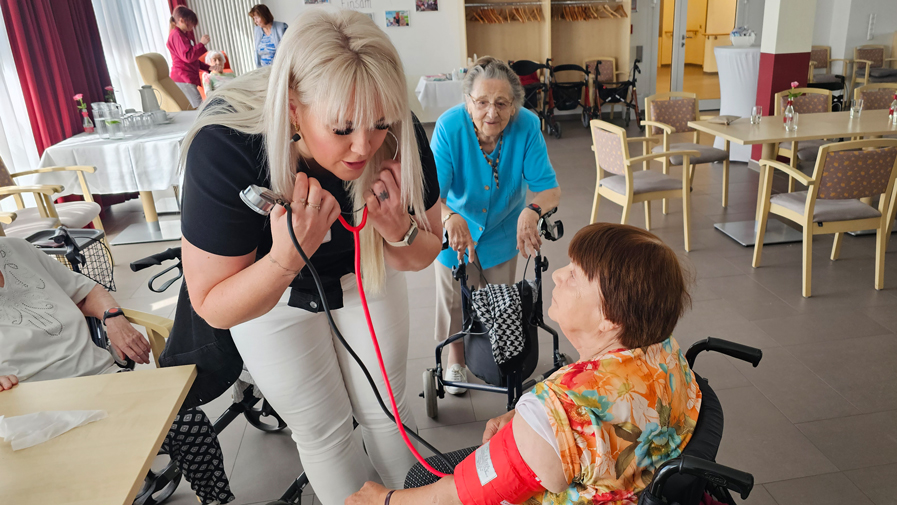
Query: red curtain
174, 3
57, 50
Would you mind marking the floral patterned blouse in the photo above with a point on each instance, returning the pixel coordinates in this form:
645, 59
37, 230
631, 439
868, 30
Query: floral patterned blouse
617, 418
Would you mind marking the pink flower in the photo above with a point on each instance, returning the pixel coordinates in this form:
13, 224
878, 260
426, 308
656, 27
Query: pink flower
794, 84
78, 96
108, 88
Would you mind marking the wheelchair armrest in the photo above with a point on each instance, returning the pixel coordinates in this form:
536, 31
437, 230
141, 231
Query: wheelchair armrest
716, 474
743, 352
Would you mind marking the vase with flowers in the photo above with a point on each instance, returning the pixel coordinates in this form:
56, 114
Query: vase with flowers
85, 120
788, 114
110, 94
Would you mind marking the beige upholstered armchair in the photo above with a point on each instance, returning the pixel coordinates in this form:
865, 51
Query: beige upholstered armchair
154, 70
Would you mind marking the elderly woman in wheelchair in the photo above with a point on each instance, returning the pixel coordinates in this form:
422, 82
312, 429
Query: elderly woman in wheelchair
44, 336
600, 429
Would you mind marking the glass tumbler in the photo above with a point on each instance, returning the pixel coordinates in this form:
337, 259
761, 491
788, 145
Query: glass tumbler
756, 114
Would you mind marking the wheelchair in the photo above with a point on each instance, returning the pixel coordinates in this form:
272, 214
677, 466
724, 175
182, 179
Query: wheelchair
507, 378
536, 90
568, 95
683, 480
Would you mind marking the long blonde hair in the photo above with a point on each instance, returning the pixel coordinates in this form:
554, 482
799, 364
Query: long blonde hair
327, 58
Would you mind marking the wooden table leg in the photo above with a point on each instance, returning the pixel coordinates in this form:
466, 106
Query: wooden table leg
768, 153
149, 206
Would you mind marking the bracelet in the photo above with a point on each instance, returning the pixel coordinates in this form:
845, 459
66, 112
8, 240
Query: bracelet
290, 272
388, 496
446, 218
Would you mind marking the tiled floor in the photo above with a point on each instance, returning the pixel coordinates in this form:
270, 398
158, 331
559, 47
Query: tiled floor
814, 423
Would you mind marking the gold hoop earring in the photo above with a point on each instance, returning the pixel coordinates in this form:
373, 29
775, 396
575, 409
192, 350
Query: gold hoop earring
397, 144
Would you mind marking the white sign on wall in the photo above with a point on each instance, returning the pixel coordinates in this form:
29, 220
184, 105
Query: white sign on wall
356, 4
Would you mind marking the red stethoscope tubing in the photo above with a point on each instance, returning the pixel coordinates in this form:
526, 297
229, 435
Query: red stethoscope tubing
355, 230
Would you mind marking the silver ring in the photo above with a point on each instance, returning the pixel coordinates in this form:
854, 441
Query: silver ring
316, 206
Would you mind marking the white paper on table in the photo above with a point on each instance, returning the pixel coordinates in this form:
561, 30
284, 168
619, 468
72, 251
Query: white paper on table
32, 429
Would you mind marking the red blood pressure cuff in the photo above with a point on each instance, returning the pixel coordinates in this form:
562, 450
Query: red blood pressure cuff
496, 474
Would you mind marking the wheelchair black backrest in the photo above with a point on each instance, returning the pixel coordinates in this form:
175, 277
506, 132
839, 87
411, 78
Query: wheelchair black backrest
704, 444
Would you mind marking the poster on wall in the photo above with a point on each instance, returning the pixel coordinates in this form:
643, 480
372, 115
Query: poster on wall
355, 4
397, 18
426, 5
308, 2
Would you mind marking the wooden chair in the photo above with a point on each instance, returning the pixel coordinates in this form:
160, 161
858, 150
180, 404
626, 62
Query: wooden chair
845, 174
820, 58
607, 72
47, 214
812, 101
870, 64
619, 183
157, 329
6, 218
669, 113
876, 96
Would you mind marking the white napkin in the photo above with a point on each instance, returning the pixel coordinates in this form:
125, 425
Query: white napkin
32, 429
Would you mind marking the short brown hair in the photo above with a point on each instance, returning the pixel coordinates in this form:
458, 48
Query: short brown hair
643, 287
183, 12
263, 12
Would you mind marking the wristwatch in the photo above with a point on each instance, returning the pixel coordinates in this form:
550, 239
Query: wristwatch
446, 218
113, 312
409, 237
536, 208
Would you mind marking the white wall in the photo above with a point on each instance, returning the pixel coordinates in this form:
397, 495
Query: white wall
843, 24
434, 43
783, 37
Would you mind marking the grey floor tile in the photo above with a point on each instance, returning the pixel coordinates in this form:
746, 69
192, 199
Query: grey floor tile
855, 442
830, 489
759, 496
748, 297
885, 316
820, 327
456, 437
265, 466
806, 397
861, 369
877, 483
759, 440
720, 371
717, 318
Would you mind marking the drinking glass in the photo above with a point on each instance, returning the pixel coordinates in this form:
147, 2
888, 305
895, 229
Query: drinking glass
794, 122
756, 114
99, 118
114, 123
856, 108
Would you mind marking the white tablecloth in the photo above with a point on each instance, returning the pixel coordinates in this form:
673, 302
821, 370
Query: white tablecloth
437, 97
144, 161
739, 69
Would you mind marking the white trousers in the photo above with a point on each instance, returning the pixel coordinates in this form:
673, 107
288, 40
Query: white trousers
316, 387
191, 92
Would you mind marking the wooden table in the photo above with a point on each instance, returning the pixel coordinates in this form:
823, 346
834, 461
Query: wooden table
103, 462
769, 133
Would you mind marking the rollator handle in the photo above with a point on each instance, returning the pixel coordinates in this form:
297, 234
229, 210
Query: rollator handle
743, 352
156, 259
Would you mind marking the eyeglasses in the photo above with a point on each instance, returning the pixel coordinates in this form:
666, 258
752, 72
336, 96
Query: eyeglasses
483, 105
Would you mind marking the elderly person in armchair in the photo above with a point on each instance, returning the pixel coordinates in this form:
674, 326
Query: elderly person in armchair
44, 336
597, 429
489, 151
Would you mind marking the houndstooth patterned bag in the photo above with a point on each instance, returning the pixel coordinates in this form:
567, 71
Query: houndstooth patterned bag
499, 308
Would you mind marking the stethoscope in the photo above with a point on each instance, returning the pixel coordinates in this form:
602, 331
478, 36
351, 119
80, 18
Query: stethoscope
263, 200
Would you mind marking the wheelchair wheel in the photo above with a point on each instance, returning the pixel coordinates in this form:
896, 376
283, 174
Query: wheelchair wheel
158, 487
586, 116
554, 127
254, 416
430, 394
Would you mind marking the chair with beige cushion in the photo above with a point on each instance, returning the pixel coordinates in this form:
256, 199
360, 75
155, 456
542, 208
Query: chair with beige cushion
669, 113
154, 70
606, 67
46, 214
847, 176
621, 184
820, 59
871, 64
811, 102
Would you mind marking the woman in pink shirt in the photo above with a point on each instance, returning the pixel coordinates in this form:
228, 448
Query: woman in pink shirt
185, 63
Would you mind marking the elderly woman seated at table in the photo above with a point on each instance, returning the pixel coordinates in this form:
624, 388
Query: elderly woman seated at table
596, 430
488, 151
44, 336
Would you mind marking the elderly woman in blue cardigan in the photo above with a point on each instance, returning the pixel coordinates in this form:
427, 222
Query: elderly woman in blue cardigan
267, 34
489, 151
